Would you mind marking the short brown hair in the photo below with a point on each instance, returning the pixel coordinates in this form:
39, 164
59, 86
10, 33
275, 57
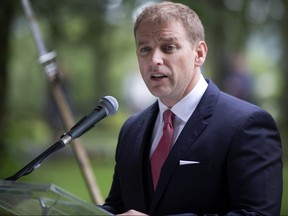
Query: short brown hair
166, 11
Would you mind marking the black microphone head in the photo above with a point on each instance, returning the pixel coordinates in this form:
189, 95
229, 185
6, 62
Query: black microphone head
110, 104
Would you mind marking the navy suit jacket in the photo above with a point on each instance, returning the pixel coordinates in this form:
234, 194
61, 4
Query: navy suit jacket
232, 162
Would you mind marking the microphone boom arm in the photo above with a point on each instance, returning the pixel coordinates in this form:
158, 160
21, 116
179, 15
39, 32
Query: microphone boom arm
29, 168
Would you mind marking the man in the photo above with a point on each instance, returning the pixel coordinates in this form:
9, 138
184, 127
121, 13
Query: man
226, 153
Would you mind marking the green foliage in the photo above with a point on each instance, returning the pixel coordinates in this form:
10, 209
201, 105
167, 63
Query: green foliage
284, 209
65, 173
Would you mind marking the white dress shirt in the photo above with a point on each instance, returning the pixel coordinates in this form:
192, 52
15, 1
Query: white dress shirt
182, 110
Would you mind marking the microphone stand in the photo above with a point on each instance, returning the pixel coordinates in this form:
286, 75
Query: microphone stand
34, 164
48, 61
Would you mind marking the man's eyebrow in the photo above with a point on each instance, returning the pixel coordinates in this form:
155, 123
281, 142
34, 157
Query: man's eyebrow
165, 39
140, 43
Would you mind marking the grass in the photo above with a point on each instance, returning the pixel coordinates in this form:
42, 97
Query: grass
66, 174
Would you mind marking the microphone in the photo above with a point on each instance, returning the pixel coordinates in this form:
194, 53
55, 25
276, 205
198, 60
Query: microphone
107, 106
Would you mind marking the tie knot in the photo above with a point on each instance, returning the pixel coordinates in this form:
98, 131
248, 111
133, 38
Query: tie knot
168, 116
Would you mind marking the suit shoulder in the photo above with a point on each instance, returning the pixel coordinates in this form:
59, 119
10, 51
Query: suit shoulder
236, 108
230, 102
216, 101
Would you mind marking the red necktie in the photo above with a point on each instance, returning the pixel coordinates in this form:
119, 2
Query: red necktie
162, 150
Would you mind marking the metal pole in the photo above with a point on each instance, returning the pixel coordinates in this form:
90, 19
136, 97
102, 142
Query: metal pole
48, 61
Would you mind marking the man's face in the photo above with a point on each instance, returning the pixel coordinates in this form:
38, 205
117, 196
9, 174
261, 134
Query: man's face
167, 60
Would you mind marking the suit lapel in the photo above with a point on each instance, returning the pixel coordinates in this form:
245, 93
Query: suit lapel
196, 124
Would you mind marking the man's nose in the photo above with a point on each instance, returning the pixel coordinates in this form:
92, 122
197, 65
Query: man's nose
157, 57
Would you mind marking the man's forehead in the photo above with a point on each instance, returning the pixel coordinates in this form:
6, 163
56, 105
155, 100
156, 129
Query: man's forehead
165, 32
159, 23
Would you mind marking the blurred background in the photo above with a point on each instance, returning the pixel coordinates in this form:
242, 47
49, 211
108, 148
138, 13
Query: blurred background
94, 42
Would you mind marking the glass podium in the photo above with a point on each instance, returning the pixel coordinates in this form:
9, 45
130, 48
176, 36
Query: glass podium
18, 198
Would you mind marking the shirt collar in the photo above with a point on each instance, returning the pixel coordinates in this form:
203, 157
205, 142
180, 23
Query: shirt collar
186, 106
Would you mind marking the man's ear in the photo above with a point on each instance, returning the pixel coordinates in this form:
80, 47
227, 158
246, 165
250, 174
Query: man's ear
201, 53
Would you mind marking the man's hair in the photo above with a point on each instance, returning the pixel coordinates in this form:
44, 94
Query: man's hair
167, 11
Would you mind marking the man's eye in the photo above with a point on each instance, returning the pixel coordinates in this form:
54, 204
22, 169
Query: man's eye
145, 49
169, 48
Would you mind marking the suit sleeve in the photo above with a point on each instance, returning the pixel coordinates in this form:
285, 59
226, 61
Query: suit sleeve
254, 167
113, 202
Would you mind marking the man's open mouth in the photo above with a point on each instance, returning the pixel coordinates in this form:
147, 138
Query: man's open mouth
158, 76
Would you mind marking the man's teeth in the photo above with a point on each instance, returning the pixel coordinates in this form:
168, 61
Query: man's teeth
158, 76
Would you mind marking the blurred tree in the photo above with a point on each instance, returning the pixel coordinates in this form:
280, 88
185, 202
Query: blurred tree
7, 12
92, 24
283, 101
216, 31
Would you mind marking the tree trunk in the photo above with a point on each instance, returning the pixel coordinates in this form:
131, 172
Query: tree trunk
283, 120
7, 10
